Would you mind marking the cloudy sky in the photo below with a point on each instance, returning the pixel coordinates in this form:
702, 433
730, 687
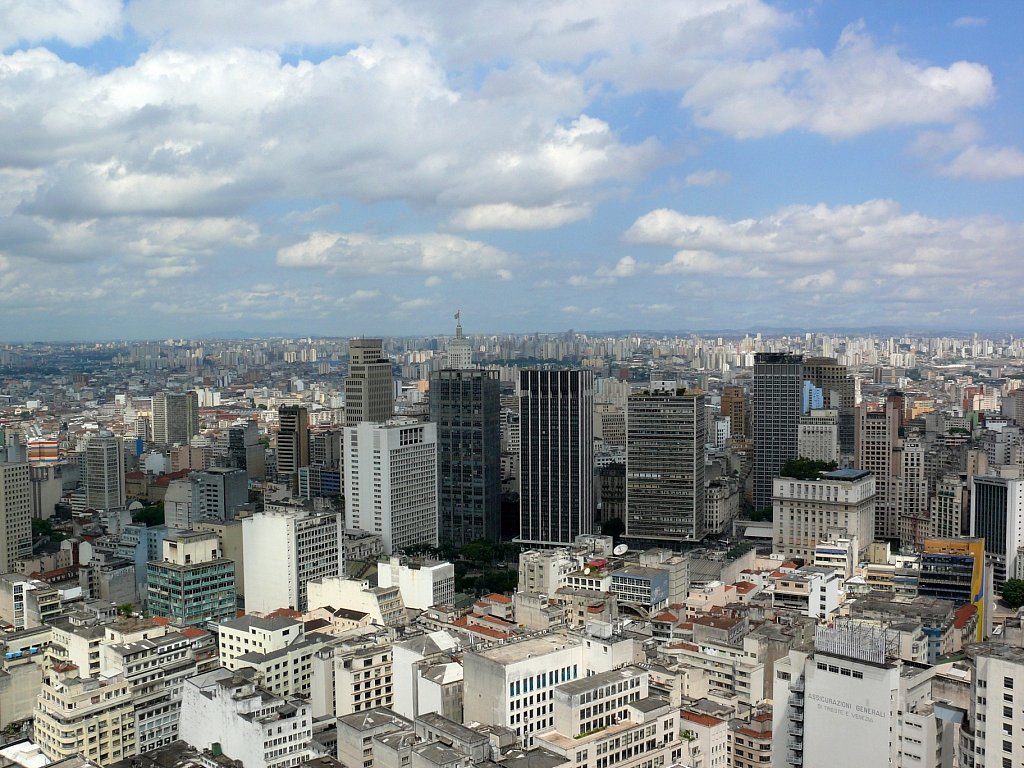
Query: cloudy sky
309, 166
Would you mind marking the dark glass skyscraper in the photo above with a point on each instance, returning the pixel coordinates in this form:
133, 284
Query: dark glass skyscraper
556, 455
465, 405
778, 379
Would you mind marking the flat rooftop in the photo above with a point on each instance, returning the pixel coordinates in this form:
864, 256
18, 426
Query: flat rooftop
520, 650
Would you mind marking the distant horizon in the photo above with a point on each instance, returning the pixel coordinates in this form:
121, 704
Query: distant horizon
732, 334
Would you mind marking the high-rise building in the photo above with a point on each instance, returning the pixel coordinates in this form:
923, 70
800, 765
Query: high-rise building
245, 451
818, 437
460, 351
218, 493
369, 387
175, 417
292, 442
665, 465
837, 386
15, 513
734, 406
465, 406
193, 585
997, 516
391, 481
556, 455
103, 472
954, 569
878, 449
286, 546
777, 393
852, 702
992, 734
837, 505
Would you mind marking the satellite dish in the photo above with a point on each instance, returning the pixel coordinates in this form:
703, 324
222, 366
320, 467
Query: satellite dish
620, 550
586, 571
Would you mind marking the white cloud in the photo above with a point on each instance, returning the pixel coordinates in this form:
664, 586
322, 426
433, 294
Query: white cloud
509, 216
987, 163
709, 178
969, 21
852, 247
361, 254
76, 22
859, 87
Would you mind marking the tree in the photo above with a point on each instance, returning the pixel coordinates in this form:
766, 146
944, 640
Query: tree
806, 469
1013, 592
125, 610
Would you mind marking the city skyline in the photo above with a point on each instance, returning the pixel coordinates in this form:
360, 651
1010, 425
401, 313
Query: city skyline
728, 164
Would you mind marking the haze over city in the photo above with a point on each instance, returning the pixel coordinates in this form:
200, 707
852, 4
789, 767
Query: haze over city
168, 170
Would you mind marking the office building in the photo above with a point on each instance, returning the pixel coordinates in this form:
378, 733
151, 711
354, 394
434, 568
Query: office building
218, 493
838, 393
735, 408
997, 516
103, 472
391, 481
353, 674
369, 388
992, 734
777, 383
421, 584
245, 451
292, 442
193, 585
954, 569
878, 445
460, 351
837, 505
818, 437
175, 417
665, 466
513, 685
852, 703
286, 546
465, 407
556, 461
15, 513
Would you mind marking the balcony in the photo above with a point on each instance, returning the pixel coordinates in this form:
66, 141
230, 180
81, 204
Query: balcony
796, 701
797, 686
795, 746
796, 729
795, 758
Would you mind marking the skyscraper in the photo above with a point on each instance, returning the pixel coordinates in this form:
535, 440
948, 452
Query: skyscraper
837, 388
391, 481
777, 390
556, 459
175, 417
104, 472
879, 449
369, 389
734, 405
665, 465
15, 512
997, 516
460, 352
465, 406
292, 442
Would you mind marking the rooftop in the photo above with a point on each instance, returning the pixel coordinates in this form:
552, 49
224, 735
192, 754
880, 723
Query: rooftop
520, 650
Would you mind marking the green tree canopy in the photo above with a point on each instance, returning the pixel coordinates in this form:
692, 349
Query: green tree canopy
806, 469
1013, 592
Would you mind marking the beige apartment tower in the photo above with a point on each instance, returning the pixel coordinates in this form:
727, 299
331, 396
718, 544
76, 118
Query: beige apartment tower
369, 388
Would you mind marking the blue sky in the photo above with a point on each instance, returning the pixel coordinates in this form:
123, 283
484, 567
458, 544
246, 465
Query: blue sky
172, 169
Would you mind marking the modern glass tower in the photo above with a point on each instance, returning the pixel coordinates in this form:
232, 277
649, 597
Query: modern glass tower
465, 406
556, 455
777, 390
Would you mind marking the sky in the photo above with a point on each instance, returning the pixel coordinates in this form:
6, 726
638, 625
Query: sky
344, 168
